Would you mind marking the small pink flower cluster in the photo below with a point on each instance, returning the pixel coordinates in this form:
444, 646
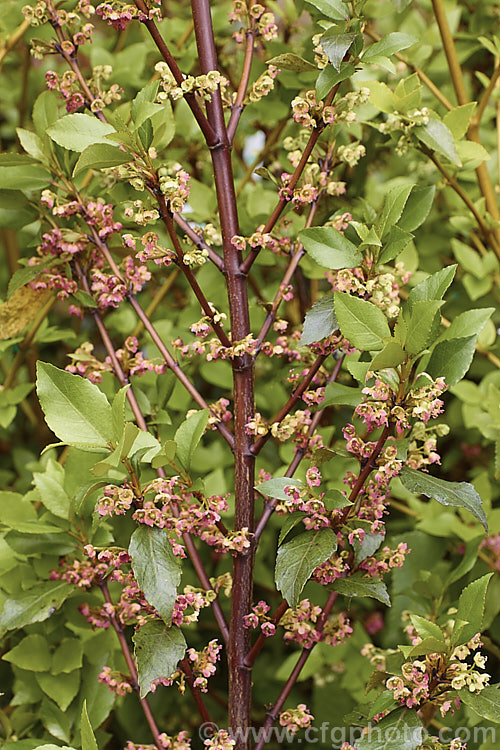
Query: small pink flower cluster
115, 501
180, 741
221, 740
258, 616
110, 290
376, 567
328, 572
301, 499
300, 626
380, 289
253, 15
118, 14
100, 565
67, 86
260, 240
202, 666
337, 630
296, 718
300, 196
308, 111
116, 681
193, 600
212, 349
151, 249
131, 608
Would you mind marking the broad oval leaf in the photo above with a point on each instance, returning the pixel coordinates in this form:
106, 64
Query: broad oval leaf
485, 704
297, 559
34, 605
77, 131
362, 323
276, 487
189, 435
320, 322
328, 247
75, 409
400, 730
438, 137
157, 651
335, 46
358, 585
156, 568
451, 359
100, 156
456, 494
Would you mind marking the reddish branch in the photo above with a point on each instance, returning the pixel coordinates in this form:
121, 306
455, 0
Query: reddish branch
237, 108
198, 241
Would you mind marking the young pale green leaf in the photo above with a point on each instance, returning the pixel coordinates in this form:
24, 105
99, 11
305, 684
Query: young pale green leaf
426, 628
434, 286
389, 45
438, 137
468, 323
456, 494
297, 559
50, 486
68, 656
485, 704
458, 119
394, 244
344, 395
420, 324
428, 645
87, 733
189, 435
470, 610
31, 143
158, 649
156, 568
319, 322
289, 61
100, 156
328, 247
362, 323
75, 409
400, 730
62, 689
334, 9
451, 359
276, 487
393, 207
391, 355
77, 131
417, 208
335, 46
33, 605
357, 585
31, 653
20, 172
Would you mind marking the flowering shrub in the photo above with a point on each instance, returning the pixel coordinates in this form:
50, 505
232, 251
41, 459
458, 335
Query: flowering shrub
250, 413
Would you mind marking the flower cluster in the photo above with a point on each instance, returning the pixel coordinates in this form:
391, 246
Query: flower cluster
68, 87
376, 567
263, 85
258, 616
301, 626
110, 290
212, 349
221, 740
119, 14
202, 665
308, 111
140, 214
404, 123
173, 182
381, 289
255, 16
116, 681
296, 718
132, 361
204, 85
91, 572
180, 741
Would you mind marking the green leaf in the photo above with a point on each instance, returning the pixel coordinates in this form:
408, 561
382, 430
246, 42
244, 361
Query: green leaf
362, 323
426, 628
75, 409
16, 213
189, 435
485, 704
77, 131
420, 324
289, 61
329, 77
62, 689
68, 656
391, 355
417, 208
50, 486
156, 568
458, 119
100, 156
290, 522
20, 172
44, 112
118, 412
434, 286
358, 585
400, 730
335, 46
394, 244
32, 653
31, 143
87, 734
451, 359
389, 45
437, 136
158, 649
334, 9
429, 645
367, 547
297, 559
34, 605
393, 207
320, 322
328, 247
468, 323
339, 394
468, 560
276, 487
456, 494
470, 610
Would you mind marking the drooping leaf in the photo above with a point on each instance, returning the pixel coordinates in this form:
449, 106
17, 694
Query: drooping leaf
189, 435
158, 649
156, 568
437, 136
100, 156
468, 323
289, 61
485, 704
335, 46
390, 44
320, 322
361, 322
456, 494
77, 131
400, 730
297, 559
276, 487
75, 409
357, 585
328, 247
33, 605
451, 359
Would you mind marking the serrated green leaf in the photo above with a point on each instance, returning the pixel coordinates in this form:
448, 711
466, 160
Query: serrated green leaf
158, 649
485, 704
297, 559
456, 494
189, 435
470, 610
77, 131
434, 286
362, 323
451, 359
320, 321
420, 324
34, 605
156, 568
328, 247
100, 156
391, 355
334, 9
337, 393
389, 45
438, 137
358, 585
417, 208
87, 734
335, 46
468, 323
427, 628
